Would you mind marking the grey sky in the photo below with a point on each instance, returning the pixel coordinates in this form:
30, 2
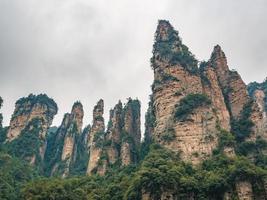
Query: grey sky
90, 49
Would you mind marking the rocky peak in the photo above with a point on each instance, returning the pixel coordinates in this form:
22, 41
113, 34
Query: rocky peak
211, 87
96, 136
164, 31
64, 147
131, 135
115, 123
168, 50
77, 114
30, 107
98, 110
132, 120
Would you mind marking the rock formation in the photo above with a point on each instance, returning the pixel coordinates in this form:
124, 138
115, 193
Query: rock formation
28, 108
65, 142
120, 143
31, 119
176, 76
95, 139
236, 95
190, 107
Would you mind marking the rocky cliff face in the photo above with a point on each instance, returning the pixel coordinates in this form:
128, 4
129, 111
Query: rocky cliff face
28, 108
131, 135
96, 136
190, 107
33, 114
65, 141
176, 76
236, 96
258, 92
120, 143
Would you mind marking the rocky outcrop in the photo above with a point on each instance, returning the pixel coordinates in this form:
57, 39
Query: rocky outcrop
260, 99
114, 132
120, 143
64, 147
131, 135
96, 136
30, 122
176, 76
28, 108
212, 89
236, 95
244, 190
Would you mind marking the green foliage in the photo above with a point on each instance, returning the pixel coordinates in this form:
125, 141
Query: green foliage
172, 50
226, 139
28, 143
1, 116
3, 134
256, 149
79, 167
168, 136
99, 139
252, 87
243, 126
1, 102
162, 170
13, 173
204, 78
168, 77
189, 103
42, 99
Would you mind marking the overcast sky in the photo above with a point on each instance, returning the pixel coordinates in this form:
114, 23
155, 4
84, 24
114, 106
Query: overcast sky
90, 49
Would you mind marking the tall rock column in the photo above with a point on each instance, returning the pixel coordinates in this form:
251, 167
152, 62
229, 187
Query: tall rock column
131, 135
71, 136
260, 99
64, 145
176, 77
96, 137
114, 132
28, 108
31, 119
236, 95
212, 89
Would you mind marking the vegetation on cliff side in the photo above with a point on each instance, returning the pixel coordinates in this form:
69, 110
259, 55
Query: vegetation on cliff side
161, 170
172, 50
252, 87
26, 103
189, 103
